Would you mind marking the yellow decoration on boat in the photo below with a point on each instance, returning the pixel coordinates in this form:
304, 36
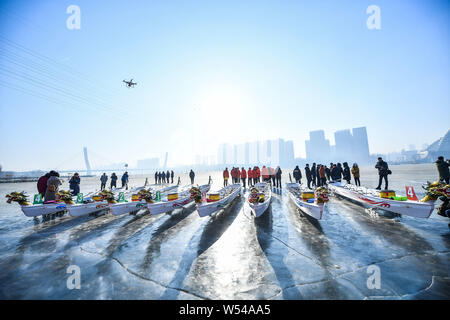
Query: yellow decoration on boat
65, 196
172, 196
19, 197
435, 190
387, 194
308, 195
214, 196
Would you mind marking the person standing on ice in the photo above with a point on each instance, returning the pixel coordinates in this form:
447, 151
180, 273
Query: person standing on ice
278, 173
346, 173
313, 173
192, 176
103, 180
171, 175
156, 177
322, 177
265, 174
250, 176
328, 172
308, 175
355, 173
297, 174
243, 176
383, 171
168, 176
226, 176
258, 174
113, 180
442, 167
125, 180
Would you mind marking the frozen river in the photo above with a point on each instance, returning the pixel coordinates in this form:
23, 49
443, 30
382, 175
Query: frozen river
281, 255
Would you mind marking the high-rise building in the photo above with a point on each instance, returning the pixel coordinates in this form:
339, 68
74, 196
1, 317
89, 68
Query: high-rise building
265, 152
288, 155
221, 154
253, 153
269, 152
229, 154
360, 145
240, 154
317, 147
344, 145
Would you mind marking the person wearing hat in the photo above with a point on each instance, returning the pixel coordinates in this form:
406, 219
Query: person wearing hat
74, 184
383, 171
442, 167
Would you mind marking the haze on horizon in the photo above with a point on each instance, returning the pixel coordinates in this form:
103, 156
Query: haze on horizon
211, 73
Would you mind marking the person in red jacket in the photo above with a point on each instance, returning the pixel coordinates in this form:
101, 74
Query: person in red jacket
250, 176
255, 174
265, 174
243, 176
226, 176
233, 175
42, 184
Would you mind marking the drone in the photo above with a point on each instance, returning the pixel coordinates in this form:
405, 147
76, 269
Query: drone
130, 84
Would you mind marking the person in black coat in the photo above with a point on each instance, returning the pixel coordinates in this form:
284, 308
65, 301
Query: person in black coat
278, 173
113, 180
335, 175
308, 175
328, 173
171, 175
156, 177
383, 171
125, 180
346, 173
163, 175
313, 171
192, 176
339, 171
318, 184
168, 176
74, 184
297, 174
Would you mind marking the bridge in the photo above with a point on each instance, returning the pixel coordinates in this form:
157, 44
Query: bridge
89, 171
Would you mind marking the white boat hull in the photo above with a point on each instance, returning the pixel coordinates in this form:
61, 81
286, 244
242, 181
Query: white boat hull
167, 206
127, 207
87, 208
259, 208
208, 208
42, 209
314, 210
410, 208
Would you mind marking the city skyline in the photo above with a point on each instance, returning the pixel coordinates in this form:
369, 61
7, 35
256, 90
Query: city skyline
213, 72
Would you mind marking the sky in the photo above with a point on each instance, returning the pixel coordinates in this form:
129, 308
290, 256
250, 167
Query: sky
212, 72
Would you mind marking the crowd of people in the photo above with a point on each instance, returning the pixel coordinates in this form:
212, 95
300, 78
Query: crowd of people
252, 176
113, 183
317, 175
164, 177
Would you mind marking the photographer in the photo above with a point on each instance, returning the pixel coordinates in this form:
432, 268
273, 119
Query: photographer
442, 167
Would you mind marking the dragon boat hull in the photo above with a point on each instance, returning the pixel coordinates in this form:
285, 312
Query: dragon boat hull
410, 208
